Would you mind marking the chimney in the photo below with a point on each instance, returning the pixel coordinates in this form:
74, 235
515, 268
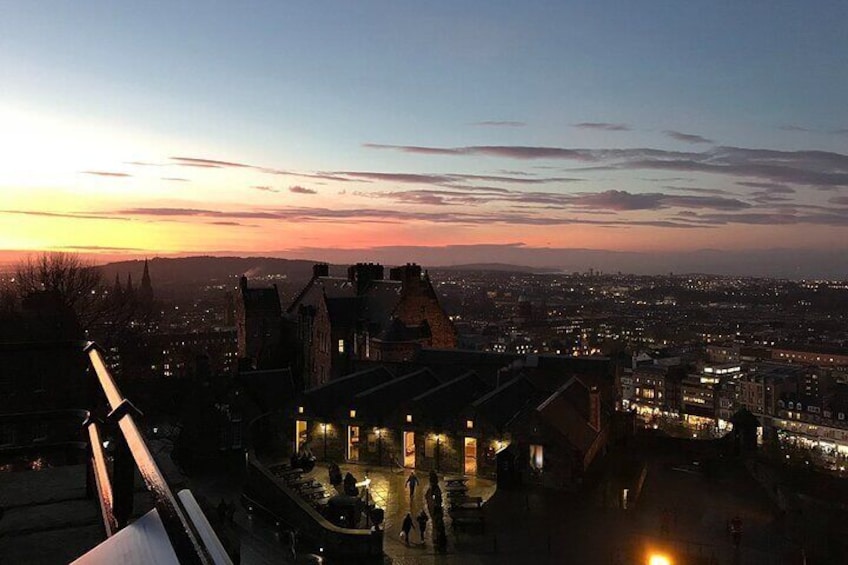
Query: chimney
320, 270
363, 274
595, 408
407, 274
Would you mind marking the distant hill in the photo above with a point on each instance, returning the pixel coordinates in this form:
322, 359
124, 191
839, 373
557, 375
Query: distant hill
193, 271
499, 267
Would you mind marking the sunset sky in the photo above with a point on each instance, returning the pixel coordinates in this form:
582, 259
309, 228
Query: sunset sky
290, 127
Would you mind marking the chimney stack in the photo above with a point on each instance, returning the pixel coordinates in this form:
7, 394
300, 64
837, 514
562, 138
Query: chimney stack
320, 270
595, 408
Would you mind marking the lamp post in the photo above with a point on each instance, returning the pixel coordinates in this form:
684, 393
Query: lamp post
324, 429
379, 447
438, 449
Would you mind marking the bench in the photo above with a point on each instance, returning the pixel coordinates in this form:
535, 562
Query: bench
299, 482
467, 502
469, 523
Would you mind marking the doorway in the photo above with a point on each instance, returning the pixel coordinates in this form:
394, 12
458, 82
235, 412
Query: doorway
353, 443
409, 449
470, 467
299, 435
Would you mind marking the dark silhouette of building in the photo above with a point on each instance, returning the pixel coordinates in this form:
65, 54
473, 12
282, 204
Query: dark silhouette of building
364, 316
259, 325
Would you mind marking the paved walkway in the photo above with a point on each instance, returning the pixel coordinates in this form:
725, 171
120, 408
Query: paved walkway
388, 489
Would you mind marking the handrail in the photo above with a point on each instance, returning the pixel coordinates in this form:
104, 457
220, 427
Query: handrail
101, 481
184, 537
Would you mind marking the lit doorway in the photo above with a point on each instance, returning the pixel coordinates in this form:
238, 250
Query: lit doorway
409, 449
470, 456
353, 443
299, 435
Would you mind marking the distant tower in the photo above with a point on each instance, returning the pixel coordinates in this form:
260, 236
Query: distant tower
117, 291
145, 292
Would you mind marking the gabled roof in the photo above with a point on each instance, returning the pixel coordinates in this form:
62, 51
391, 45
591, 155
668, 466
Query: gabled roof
326, 399
566, 411
501, 405
452, 363
262, 299
384, 398
398, 331
447, 400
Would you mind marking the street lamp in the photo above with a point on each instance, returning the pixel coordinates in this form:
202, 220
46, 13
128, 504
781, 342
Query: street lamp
657, 559
324, 429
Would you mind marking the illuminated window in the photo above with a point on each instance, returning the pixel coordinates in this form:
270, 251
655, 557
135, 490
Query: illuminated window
353, 413
300, 409
537, 457
341, 346
409, 418
469, 424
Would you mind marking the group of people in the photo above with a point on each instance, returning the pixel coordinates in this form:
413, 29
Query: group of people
408, 525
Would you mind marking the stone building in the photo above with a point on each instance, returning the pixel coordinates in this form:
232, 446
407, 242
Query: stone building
259, 325
456, 422
366, 317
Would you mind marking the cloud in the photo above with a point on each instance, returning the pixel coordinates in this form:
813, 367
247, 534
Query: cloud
839, 200
297, 189
504, 124
445, 179
208, 163
99, 248
175, 179
687, 137
71, 215
233, 224
602, 126
770, 186
374, 215
623, 200
698, 190
106, 174
840, 131
791, 127
822, 169
265, 188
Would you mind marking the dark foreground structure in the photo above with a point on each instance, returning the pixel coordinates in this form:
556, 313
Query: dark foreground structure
83, 484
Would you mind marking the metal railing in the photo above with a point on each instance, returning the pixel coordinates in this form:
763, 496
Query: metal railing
115, 490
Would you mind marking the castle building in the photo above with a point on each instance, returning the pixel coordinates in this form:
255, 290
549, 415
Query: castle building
259, 325
366, 317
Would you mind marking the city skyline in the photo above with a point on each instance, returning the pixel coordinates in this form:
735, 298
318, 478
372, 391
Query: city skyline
479, 131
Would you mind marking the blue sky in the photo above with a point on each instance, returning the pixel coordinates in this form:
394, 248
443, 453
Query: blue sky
305, 88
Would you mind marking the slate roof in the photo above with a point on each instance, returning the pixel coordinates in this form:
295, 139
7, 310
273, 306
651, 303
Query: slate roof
335, 395
446, 401
500, 406
262, 299
383, 399
567, 411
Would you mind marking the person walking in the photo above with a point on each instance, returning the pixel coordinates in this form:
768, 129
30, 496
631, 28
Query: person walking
422, 523
407, 527
736, 531
292, 541
412, 482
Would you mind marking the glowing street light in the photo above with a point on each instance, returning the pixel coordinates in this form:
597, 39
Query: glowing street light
657, 559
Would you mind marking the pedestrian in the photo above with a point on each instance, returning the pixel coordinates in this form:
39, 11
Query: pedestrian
736, 530
422, 523
292, 540
412, 482
407, 527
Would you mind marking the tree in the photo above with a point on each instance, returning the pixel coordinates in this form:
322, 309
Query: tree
78, 285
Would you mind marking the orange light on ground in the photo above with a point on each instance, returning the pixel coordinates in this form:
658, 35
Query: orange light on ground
657, 559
